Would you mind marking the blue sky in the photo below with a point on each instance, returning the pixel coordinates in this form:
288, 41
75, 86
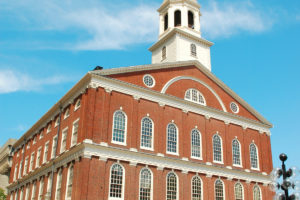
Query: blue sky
47, 46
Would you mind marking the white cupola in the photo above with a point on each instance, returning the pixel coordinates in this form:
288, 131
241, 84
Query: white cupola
179, 34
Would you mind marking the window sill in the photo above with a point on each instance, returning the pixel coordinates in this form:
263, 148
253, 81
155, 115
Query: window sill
255, 169
172, 153
218, 162
148, 149
76, 108
240, 166
196, 158
119, 143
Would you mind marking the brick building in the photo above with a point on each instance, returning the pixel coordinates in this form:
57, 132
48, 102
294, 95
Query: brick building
168, 130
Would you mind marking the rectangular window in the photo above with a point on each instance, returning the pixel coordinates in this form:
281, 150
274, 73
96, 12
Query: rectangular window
20, 169
54, 147
33, 191
22, 193
45, 158
25, 166
64, 140
58, 186
75, 133
70, 183
15, 173
38, 157
49, 184
31, 162
41, 189
27, 193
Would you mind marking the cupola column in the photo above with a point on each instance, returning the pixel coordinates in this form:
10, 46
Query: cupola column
171, 17
162, 24
184, 16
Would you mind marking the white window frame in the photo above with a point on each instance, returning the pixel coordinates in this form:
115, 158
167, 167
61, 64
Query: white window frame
67, 113
177, 185
41, 135
193, 49
34, 139
257, 156
191, 96
45, 155
64, 133
221, 141
42, 180
22, 193
25, 166
49, 183
54, 145
125, 129
67, 183
20, 169
152, 137
196, 176
57, 121
59, 174
224, 192
177, 140
243, 196
31, 163
73, 128
153, 80
33, 191
49, 128
15, 172
123, 183
151, 191
195, 157
240, 149
27, 192
76, 104
259, 189
38, 157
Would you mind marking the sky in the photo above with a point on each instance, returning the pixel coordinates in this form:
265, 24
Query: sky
47, 46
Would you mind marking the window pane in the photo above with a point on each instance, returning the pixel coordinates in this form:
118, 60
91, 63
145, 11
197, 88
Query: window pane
116, 181
119, 127
236, 152
145, 185
256, 193
172, 138
196, 189
238, 190
217, 147
253, 156
219, 190
196, 143
147, 132
171, 187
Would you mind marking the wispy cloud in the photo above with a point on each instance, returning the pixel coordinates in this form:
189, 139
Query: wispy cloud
102, 25
12, 81
224, 20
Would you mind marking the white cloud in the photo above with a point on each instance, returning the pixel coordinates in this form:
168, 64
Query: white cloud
298, 17
12, 81
224, 20
102, 25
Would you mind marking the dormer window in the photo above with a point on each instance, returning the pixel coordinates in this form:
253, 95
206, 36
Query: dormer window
166, 21
177, 18
193, 50
164, 53
191, 20
195, 96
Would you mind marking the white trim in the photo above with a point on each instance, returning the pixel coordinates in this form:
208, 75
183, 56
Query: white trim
224, 192
67, 113
191, 136
191, 95
257, 156
154, 82
197, 176
151, 192
76, 121
125, 131
54, 145
67, 182
64, 132
45, 157
257, 186
37, 162
177, 140
59, 174
178, 78
222, 159
76, 104
123, 183
243, 194
237, 106
152, 139
240, 149
177, 184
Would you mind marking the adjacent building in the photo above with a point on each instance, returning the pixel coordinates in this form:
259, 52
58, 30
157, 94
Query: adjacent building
169, 130
6, 163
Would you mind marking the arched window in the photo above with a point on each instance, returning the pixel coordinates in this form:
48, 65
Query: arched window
193, 50
116, 190
217, 147
194, 96
196, 144
191, 20
219, 190
256, 193
145, 184
147, 133
70, 182
253, 156
238, 191
164, 53
172, 186
236, 152
177, 18
166, 21
172, 135
119, 127
58, 185
196, 188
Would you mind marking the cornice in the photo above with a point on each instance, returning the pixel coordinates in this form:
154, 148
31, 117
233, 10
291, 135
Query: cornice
168, 2
68, 98
165, 99
181, 32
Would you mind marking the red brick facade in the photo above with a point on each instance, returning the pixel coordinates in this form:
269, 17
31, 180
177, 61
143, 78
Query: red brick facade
91, 179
